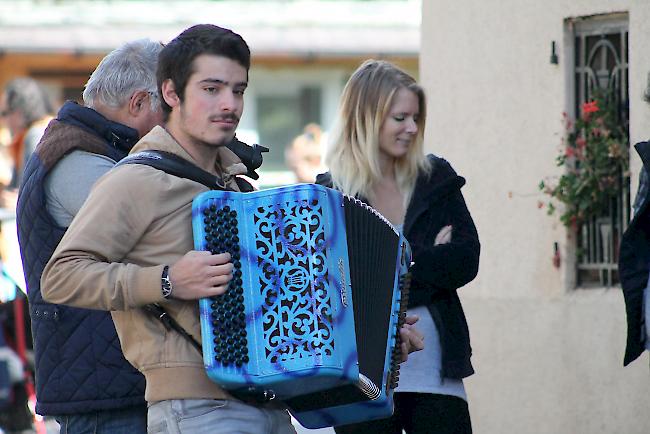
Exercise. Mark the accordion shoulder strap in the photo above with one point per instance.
(170, 324)
(174, 165)
(177, 166)
(250, 397)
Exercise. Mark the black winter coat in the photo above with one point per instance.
(440, 270)
(634, 267)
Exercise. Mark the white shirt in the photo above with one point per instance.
(421, 373)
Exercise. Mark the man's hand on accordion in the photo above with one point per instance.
(412, 339)
(200, 274)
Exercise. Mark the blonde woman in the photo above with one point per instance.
(376, 154)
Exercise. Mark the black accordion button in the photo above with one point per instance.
(228, 317)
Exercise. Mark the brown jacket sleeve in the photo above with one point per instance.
(90, 267)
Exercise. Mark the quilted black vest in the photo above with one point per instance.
(79, 362)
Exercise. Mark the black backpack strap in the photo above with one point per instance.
(175, 165)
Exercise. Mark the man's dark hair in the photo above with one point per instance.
(176, 61)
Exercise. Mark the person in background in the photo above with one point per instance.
(634, 263)
(303, 156)
(376, 154)
(26, 109)
(82, 377)
(15, 414)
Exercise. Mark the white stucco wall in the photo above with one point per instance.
(548, 358)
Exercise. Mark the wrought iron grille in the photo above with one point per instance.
(600, 48)
(297, 319)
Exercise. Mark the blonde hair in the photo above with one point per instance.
(353, 154)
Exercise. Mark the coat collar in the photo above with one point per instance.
(643, 149)
(642, 202)
(441, 182)
(120, 136)
(429, 189)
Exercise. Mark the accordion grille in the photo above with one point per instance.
(290, 251)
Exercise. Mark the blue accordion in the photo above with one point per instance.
(312, 313)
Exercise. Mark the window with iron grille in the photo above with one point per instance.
(600, 62)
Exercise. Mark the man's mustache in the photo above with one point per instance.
(231, 117)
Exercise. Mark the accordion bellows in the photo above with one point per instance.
(312, 312)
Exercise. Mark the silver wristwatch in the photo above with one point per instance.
(166, 284)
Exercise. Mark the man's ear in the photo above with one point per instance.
(136, 102)
(169, 93)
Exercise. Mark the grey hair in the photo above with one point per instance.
(122, 72)
(29, 97)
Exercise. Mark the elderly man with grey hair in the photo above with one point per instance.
(82, 377)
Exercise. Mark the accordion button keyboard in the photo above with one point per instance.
(227, 311)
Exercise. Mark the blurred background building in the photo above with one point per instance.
(303, 51)
(302, 54)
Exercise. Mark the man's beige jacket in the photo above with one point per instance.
(136, 220)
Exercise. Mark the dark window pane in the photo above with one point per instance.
(280, 118)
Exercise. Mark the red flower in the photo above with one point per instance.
(590, 107)
(570, 152)
(581, 142)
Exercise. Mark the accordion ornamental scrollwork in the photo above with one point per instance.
(284, 301)
(296, 313)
